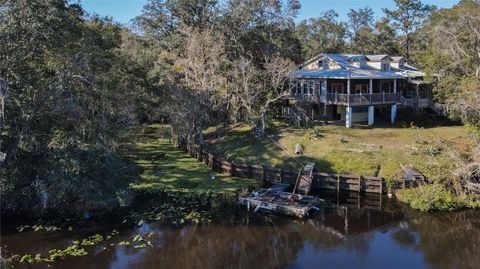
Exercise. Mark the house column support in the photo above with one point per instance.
(348, 117)
(325, 113)
(393, 116)
(370, 115)
(348, 91)
(348, 86)
(395, 86)
(417, 95)
(370, 88)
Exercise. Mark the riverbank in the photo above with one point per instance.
(429, 144)
(155, 169)
(377, 151)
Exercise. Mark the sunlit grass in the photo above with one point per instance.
(360, 151)
(177, 170)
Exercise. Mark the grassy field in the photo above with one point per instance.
(177, 170)
(360, 150)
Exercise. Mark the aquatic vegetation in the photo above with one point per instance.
(141, 242)
(92, 240)
(137, 238)
(123, 243)
(39, 227)
(27, 258)
(54, 254)
(74, 250)
(179, 206)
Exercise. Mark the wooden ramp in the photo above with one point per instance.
(276, 200)
(304, 180)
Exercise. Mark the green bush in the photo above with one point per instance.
(429, 198)
(70, 176)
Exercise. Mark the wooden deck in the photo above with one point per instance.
(276, 200)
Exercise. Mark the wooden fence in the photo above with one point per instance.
(338, 182)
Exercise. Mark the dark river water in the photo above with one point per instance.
(360, 235)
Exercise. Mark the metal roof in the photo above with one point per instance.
(377, 58)
(396, 59)
(408, 71)
(346, 73)
(348, 70)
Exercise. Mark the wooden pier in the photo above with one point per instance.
(276, 200)
(304, 180)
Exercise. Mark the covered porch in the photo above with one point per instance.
(416, 94)
(348, 92)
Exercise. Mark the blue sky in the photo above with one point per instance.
(125, 10)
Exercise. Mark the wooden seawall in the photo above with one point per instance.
(329, 181)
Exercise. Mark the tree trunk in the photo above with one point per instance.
(260, 125)
(200, 133)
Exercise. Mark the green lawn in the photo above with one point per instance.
(177, 170)
(360, 150)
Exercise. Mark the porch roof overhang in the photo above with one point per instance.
(345, 74)
(415, 81)
(411, 73)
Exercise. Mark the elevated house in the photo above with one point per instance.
(355, 89)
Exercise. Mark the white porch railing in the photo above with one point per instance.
(362, 99)
(351, 99)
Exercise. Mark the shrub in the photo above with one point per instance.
(429, 197)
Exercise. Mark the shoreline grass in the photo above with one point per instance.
(176, 170)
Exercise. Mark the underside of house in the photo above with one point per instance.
(355, 89)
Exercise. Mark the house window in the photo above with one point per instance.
(363, 64)
(385, 66)
(305, 87)
(310, 87)
(320, 64)
(409, 94)
(299, 87)
(316, 86)
(337, 87)
(361, 88)
(385, 86)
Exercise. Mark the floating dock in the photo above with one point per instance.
(276, 200)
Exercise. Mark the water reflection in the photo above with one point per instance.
(338, 237)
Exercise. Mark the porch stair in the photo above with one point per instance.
(297, 116)
(304, 180)
(437, 108)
